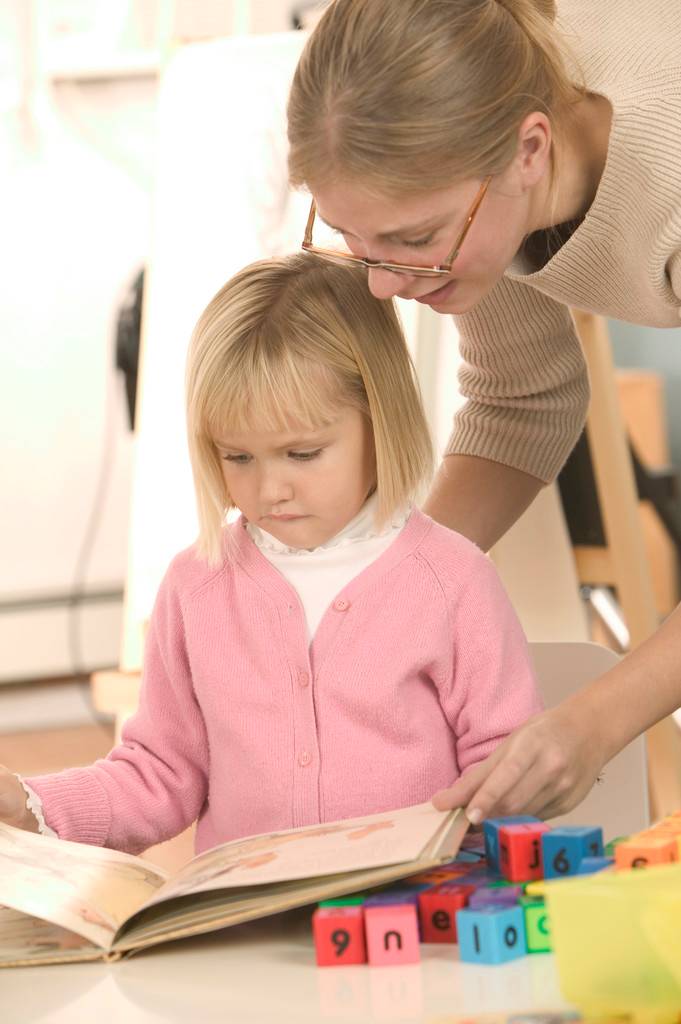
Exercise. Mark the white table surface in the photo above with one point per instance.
(265, 972)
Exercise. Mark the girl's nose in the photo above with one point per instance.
(274, 487)
(385, 284)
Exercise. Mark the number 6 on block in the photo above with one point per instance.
(339, 936)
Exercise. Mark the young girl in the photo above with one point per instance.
(331, 653)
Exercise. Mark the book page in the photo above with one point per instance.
(87, 890)
(28, 939)
(332, 848)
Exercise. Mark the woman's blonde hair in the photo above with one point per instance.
(295, 339)
(410, 95)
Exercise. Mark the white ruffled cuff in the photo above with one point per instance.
(35, 805)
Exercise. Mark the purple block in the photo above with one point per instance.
(500, 896)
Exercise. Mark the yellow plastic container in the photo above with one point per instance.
(617, 940)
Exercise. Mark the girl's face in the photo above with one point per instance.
(421, 230)
(302, 486)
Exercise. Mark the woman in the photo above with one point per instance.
(501, 161)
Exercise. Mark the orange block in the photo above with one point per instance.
(640, 851)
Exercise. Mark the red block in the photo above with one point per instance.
(520, 856)
(339, 936)
(437, 911)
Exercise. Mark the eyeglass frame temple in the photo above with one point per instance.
(447, 265)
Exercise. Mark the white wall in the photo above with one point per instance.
(74, 209)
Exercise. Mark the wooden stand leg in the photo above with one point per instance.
(628, 566)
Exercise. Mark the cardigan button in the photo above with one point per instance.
(304, 759)
(341, 605)
(303, 678)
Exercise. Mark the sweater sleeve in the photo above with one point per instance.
(525, 379)
(154, 783)
(492, 688)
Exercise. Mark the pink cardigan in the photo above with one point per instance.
(417, 670)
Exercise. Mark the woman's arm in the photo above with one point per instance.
(479, 498)
(548, 765)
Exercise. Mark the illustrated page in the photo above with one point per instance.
(372, 841)
(84, 889)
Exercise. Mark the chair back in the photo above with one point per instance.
(619, 804)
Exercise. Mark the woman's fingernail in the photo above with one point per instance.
(474, 816)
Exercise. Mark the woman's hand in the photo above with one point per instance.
(13, 809)
(544, 768)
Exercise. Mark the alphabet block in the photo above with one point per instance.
(491, 935)
(339, 936)
(392, 934)
(495, 895)
(491, 832)
(355, 900)
(590, 865)
(520, 851)
(640, 851)
(437, 911)
(564, 848)
(537, 930)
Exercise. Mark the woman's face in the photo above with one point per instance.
(421, 230)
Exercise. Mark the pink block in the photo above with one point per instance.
(392, 934)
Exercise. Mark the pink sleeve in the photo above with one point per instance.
(492, 688)
(154, 783)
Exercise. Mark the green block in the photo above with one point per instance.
(537, 930)
(343, 901)
(609, 849)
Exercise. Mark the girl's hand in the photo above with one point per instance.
(544, 768)
(13, 809)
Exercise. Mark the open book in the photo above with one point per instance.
(62, 901)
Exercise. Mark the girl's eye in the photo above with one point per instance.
(305, 456)
(240, 459)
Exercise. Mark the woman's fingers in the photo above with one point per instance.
(484, 788)
(544, 768)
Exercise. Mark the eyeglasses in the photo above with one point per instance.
(443, 270)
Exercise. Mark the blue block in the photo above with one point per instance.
(491, 935)
(590, 865)
(491, 830)
(563, 849)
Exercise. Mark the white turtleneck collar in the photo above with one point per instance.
(319, 575)
(362, 527)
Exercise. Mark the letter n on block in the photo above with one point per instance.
(392, 934)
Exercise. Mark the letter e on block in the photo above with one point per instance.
(437, 911)
(339, 936)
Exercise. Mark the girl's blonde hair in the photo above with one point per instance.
(294, 339)
(404, 96)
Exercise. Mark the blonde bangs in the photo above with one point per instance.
(270, 388)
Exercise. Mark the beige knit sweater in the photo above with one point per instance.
(524, 373)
